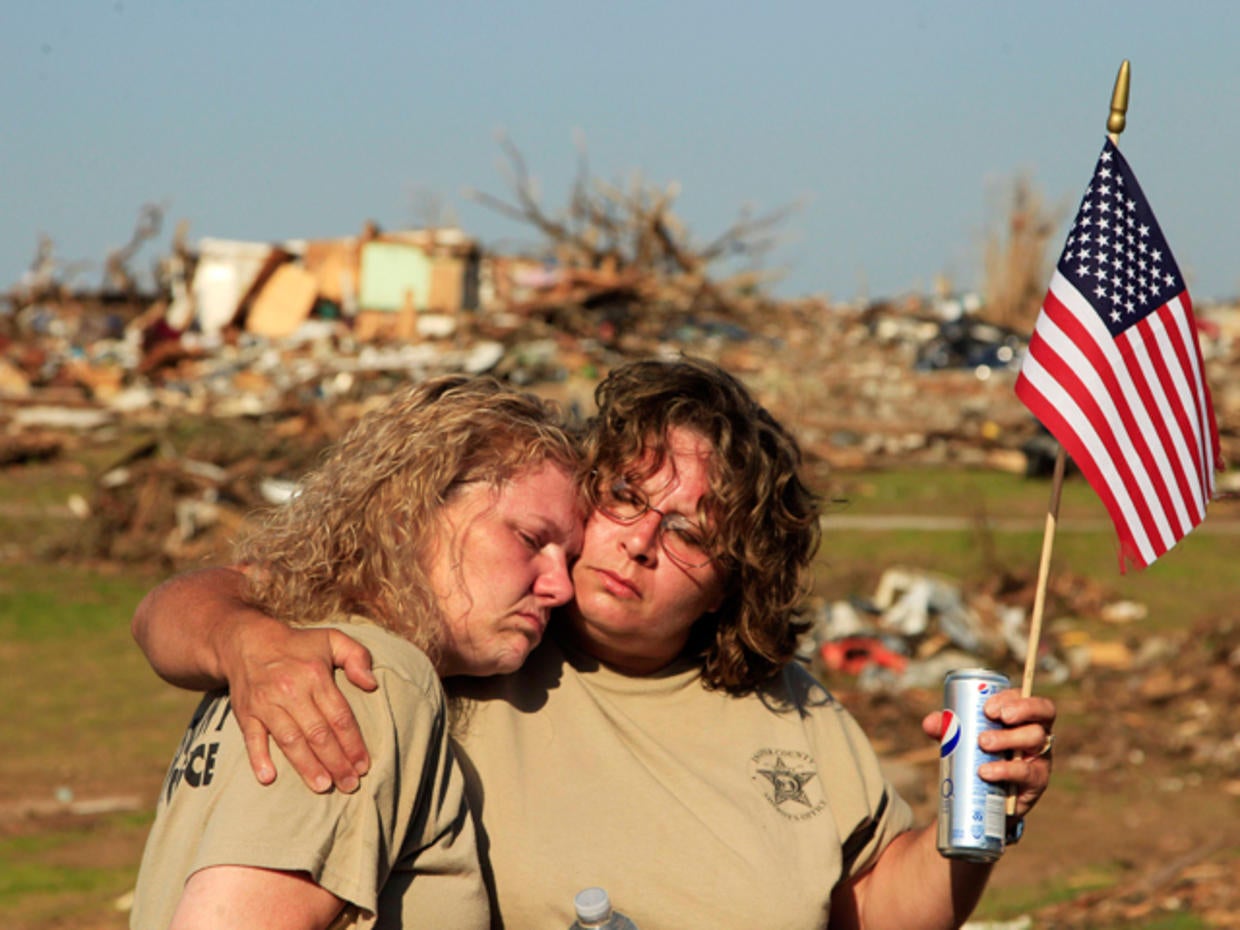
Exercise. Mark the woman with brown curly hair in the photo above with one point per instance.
(662, 742)
(437, 533)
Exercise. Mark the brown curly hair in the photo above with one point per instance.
(765, 521)
(353, 538)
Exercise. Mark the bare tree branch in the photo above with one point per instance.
(622, 242)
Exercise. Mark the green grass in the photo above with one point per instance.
(1013, 903)
(1002, 904)
(72, 876)
(35, 865)
(1173, 922)
(84, 714)
(50, 602)
(962, 493)
(1191, 582)
(1008, 903)
(75, 679)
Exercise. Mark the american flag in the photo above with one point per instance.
(1114, 369)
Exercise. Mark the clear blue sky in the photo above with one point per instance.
(898, 124)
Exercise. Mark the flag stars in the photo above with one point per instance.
(1114, 251)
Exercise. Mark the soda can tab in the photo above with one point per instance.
(972, 812)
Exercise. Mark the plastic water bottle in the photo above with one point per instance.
(594, 912)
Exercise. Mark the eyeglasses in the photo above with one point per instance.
(683, 540)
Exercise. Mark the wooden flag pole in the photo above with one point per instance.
(1044, 569)
(1115, 125)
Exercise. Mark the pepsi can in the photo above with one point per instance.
(972, 812)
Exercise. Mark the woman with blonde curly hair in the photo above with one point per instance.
(699, 773)
(438, 533)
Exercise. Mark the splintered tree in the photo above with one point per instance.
(623, 245)
(47, 280)
(117, 278)
(1016, 270)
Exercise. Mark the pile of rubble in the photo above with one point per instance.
(847, 382)
(1204, 883)
(1135, 706)
(1179, 704)
(919, 624)
(287, 342)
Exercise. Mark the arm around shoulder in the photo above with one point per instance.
(198, 632)
(181, 623)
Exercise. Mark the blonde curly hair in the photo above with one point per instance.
(354, 537)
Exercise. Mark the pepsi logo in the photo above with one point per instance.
(949, 735)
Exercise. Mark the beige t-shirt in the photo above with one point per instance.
(692, 808)
(401, 850)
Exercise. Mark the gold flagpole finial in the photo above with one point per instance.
(1119, 102)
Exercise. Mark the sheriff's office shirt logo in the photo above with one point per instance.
(789, 780)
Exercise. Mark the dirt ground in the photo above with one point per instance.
(1143, 818)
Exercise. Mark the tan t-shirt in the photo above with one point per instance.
(693, 808)
(401, 850)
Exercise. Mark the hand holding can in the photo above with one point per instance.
(1014, 757)
(972, 811)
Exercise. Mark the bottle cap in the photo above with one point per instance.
(592, 904)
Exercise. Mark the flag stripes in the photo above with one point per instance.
(1133, 423)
